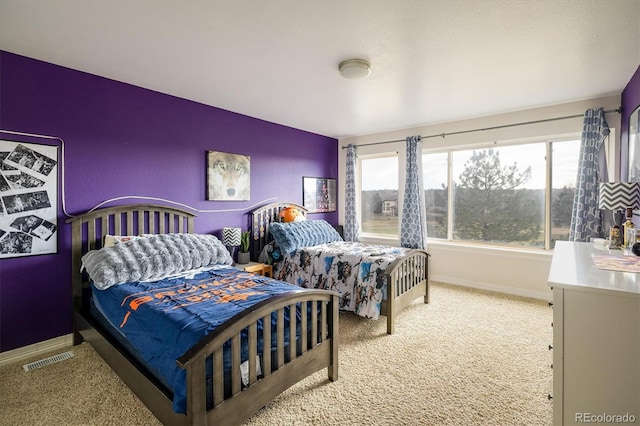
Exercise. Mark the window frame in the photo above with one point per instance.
(397, 148)
(497, 144)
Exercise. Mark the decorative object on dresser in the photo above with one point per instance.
(373, 280)
(232, 238)
(212, 385)
(596, 338)
(617, 197)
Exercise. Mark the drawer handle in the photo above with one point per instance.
(550, 347)
(550, 397)
(550, 303)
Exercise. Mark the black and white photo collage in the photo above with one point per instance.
(28, 199)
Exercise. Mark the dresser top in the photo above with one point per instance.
(573, 266)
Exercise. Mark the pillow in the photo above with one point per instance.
(270, 254)
(151, 258)
(291, 236)
(112, 240)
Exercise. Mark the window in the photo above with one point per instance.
(379, 195)
(491, 195)
(498, 195)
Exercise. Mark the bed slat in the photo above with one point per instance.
(280, 338)
(304, 326)
(218, 379)
(293, 319)
(266, 337)
(253, 352)
(235, 365)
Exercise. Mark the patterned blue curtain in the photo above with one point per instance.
(585, 215)
(413, 227)
(351, 227)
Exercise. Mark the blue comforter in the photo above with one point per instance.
(163, 319)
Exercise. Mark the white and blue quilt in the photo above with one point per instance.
(352, 269)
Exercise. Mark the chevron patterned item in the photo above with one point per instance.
(231, 236)
(619, 195)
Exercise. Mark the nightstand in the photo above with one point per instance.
(258, 268)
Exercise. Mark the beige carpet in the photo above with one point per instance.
(469, 357)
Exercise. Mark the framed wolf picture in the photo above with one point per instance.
(28, 199)
(228, 176)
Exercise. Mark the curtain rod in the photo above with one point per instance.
(442, 135)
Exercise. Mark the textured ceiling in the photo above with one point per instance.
(432, 60)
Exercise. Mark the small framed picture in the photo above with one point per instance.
(319, 194)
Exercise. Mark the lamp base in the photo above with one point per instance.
(618, 218)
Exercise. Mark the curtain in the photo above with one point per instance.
(585, 215)
(413, 226)
(351, 227)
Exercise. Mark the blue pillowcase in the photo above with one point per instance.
(291, 236)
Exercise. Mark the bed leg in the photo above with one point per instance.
(390, 316)
(332, 370)
(426, 274)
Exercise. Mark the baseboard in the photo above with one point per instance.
(514, 291)
(19, 354)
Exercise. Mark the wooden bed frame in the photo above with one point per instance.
(88, 231)
(408, 276)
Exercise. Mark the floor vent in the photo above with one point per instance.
(48, 361)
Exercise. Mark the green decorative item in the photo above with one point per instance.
(243, 255)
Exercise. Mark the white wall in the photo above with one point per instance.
(514, 271)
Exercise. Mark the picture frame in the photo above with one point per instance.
(28, 199)
(319, 194)
(228, 176)
(634, 146)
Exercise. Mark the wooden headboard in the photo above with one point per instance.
(260, 220)
(89, 229)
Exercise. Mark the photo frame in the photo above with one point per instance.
(634, 146)
(319, 194)
(228, 176)
(28, 199)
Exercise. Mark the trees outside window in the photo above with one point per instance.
(492, 203)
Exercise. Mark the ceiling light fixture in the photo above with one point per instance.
(354, 68)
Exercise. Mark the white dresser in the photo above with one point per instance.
(596, 338)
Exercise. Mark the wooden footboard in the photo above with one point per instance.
(317, 349)
(407, 279)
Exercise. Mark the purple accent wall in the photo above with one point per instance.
(630, 100)
(122, 140)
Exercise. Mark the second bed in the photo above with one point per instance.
(372, 280)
